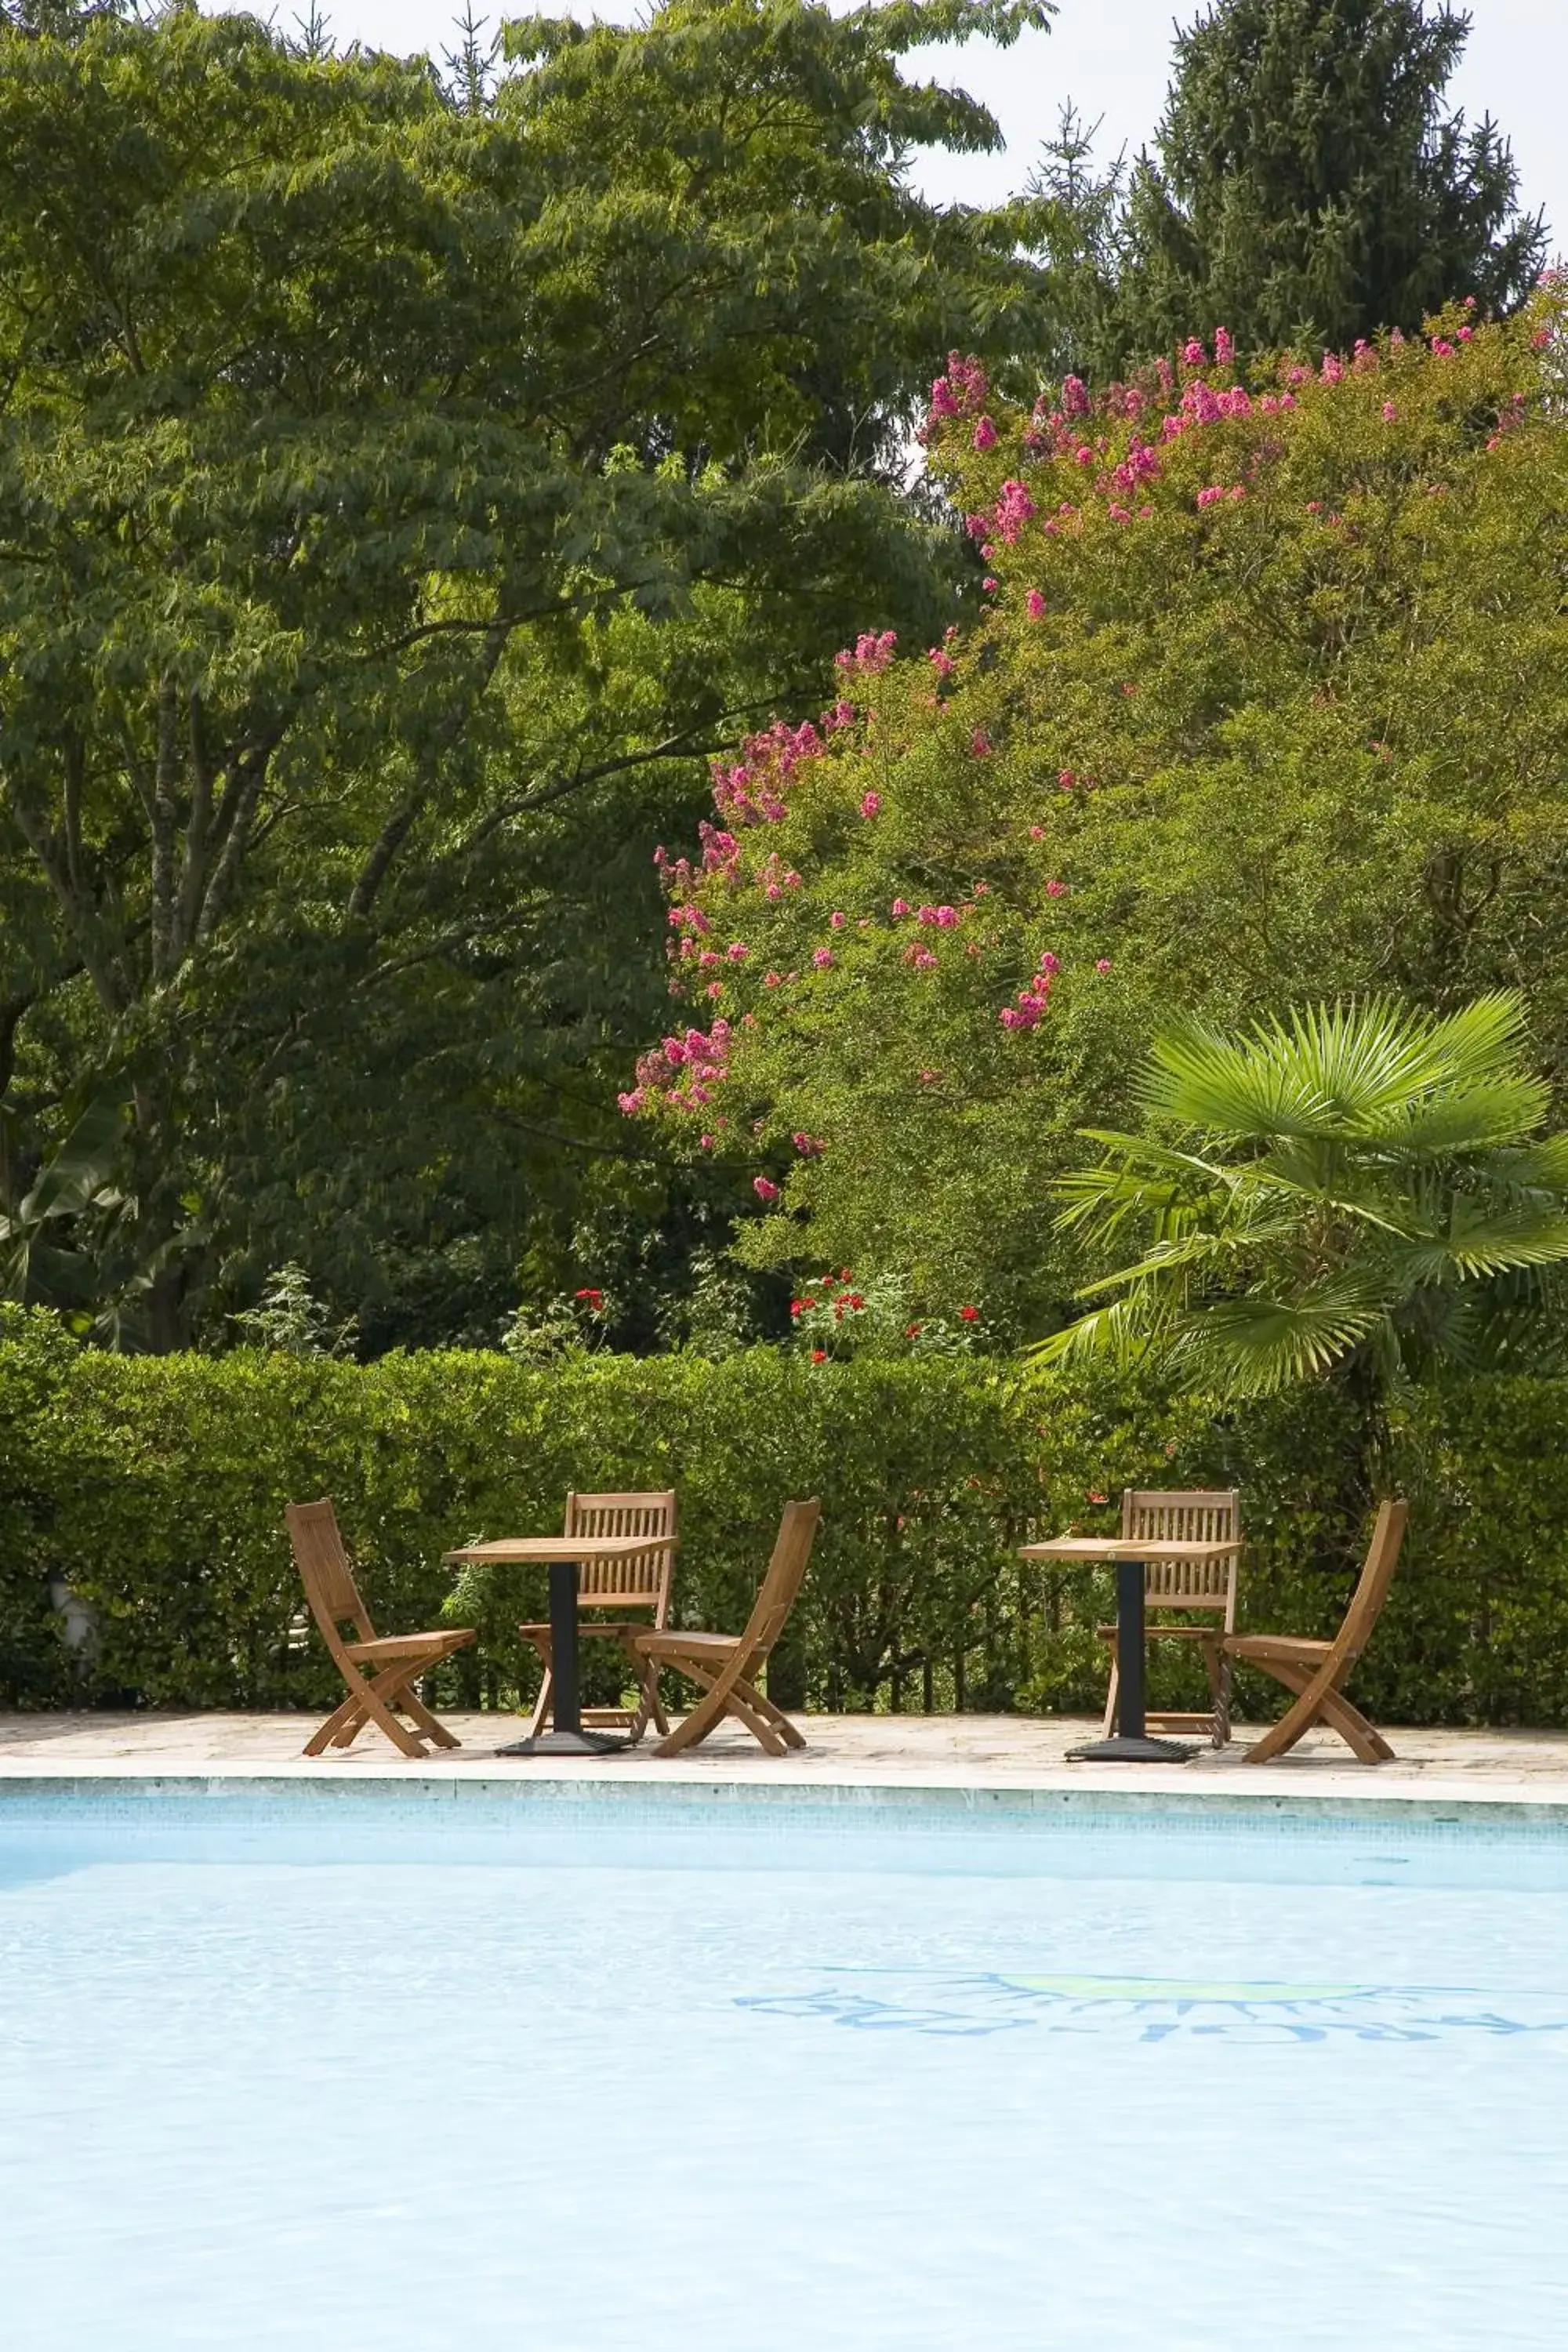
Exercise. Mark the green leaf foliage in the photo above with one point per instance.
(1266, 708)
(400, 493)
(148, 1493)
(1306, 185)
(1357, 1195)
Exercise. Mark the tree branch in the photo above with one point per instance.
(166, 775)
(198, 831)
(399, 825)
(75, 904)
(236, 815)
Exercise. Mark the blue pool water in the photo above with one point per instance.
(278, 2074)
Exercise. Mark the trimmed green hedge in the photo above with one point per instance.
(153, 1487)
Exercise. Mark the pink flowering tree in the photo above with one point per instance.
(1266, 697)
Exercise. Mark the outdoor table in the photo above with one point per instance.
(1131, 1555)
(564, 1556)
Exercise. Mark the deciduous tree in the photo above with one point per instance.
(391, 491)
(1268, 704)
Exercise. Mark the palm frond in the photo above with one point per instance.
(1224, 1254)
(1237, 1089)
(1120, 1332)
(1485, 1237)
(1361, 1182)
(1255, 1346)
(1460, 1119)
(1540, 1167)
(1351, 1069)
(1311, 1176)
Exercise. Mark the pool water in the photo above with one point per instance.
(1037, 2090)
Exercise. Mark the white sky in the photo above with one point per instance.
(1112, 58)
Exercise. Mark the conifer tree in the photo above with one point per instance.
(1307, 184)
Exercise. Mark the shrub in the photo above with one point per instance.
(156, 1488)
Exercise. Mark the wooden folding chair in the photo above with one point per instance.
(725, 1665)
(641, 1583)
(1314, 1670)
(396, 1661)
(1185, 1515)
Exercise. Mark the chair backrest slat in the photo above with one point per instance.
(1187, 1515)
(1372, 1585)
(642, 1581)
(324, 1571)
(780, 1587)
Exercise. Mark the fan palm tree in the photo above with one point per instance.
(1362, 1190)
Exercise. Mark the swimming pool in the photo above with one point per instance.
(549, 2068)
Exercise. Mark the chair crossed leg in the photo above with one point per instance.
(728, 1693)
(1317, 1701)
(372, 1702)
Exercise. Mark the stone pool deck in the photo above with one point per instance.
(860, 1752)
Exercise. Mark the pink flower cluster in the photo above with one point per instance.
(960, 392)
(941, 919)
(1202, 405)
(1139, 464)
(682, 1070)
(751, 791)
(720, 850)
(1034, 1002)
(872, 653)
(775, 878)
(1014, 509)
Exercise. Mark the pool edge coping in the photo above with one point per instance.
(1513, 1807)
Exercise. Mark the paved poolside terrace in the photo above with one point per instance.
(857, 1753)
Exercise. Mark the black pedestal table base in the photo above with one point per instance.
(566, 1736)
(1131, 1743)
(567, 1743)
(1122, 1750)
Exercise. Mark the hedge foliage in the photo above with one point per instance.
(153, 1487)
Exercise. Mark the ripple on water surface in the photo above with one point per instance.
(1316, 2098)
